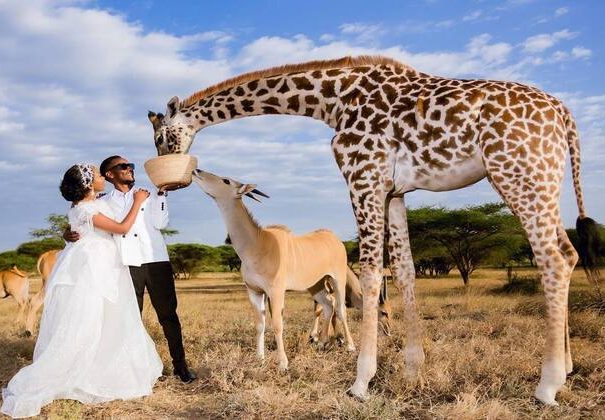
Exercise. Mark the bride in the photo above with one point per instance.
(92, 346)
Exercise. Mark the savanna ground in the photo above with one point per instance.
(483, 358)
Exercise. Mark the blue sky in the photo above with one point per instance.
(77, 78)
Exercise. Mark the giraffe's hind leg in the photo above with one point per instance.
(571, 257)
(537, 207)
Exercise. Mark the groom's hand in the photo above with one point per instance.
(70, 235)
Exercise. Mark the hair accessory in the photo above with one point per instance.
(87, 174)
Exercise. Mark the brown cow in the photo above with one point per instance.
(15, 283)
(45, 265)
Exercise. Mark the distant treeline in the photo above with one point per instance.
(441, 239)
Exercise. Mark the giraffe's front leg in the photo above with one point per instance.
(369, 212)
(402, 267)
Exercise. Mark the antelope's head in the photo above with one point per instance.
(222, 188)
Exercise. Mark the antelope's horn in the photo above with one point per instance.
(262, 194)
(252, 197)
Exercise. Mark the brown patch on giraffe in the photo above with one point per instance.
(271, 83)
(302, 83)
(378, 102)
(293, 103)
(347, 82)
(349, 139)
(311, 100)
(247, 105)
(378, 124)
(328, 89)
(273, 101)
(494, 147)
(284, 88)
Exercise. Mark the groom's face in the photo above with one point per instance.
(119, 173)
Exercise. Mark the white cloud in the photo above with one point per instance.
(581, 52)
(561, 11)
(472, 16)
(539, 43)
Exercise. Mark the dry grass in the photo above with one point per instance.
(483, 357)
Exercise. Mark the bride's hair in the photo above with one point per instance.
(74, 187)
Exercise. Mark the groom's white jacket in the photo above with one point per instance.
(144, 242)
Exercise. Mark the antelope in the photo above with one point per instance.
(15, 283)
(45, 265)
(354, 299)
(275, 260)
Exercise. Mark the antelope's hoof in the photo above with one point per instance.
(25, 334)
(546, 396)
(358, 392)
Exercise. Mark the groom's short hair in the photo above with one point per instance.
(108, 163)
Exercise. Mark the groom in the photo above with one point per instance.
(144, 251)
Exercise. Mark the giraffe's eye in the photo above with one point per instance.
(226, 181)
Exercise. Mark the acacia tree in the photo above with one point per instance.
(57, 223)
(468, 235)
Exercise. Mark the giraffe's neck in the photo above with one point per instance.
(241, 227)
(319, 94)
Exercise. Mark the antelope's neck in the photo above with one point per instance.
(242, 228)
(319, 94)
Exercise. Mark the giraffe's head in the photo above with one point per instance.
(173, 132)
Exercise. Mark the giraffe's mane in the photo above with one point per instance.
(344, 62)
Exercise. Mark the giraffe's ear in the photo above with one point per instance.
(173, 107)
(155, 119)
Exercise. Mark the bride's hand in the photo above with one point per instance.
(140, 195)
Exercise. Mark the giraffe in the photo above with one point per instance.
(399, 130)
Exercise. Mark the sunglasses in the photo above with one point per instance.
(122, 166)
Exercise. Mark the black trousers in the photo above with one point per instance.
(157, 278)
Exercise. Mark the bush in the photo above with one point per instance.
(23, 261)
(37, 248)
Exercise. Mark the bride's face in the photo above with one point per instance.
(98, 180)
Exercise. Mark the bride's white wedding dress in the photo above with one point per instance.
(92, 346)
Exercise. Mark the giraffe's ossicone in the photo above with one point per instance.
(398, 130)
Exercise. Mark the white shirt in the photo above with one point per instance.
(144, 242)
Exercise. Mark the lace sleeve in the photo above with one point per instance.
(80, 217)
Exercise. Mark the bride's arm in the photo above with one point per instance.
(105, 223)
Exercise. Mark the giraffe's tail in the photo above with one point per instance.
(587, 228)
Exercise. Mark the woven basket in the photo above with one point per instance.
(171, 171)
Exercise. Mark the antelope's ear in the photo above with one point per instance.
(245, 189)
(155, 119)
(173, 107)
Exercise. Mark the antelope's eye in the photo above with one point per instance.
(226, 181)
